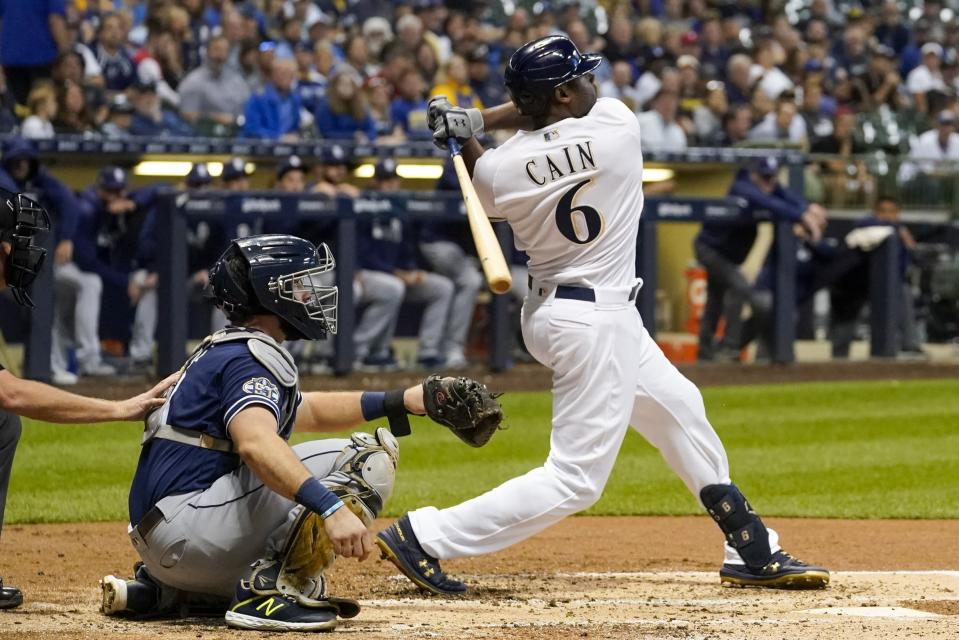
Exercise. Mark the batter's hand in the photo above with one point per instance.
(137, 407)
(458, 123)
(435, 109)
(348, 534)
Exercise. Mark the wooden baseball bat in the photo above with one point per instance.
(487, 244)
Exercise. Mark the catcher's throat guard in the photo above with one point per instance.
(21, 219)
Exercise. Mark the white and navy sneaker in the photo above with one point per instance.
(277, 612)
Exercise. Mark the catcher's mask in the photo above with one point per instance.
(20, 220)
(277, 274)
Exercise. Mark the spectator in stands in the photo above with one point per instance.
(42, 104)
(32, 34)
(620, 44)
(661, 132)
(150, 118)
(274, 112)
(708, 117)
(68, 67)
(736, 124)
(891, 30)
(119, 118)
(378, 95)
(344, 115)
(486, 85)
(783, 125)
(213, 95)
(408, 109)
(738, 86)
(927, 77)
(722, 246)
(882, 81)
(235, 176)
(387, 275)
(158, 64)
(72, 115)
(844, 175)
(454, 84)
(765, 70)
(818, 123)
(76, 293)
(378, 34)
(690, 88)
(621, 86)
(924, 168)
(357, 56)
(115, 61)
(714, 54)
(116, 240)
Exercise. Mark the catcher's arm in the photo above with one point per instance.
(341, 410)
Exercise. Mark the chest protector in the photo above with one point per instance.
(267, 352)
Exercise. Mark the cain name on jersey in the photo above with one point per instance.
(563, 160)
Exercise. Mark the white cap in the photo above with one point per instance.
(932, 48)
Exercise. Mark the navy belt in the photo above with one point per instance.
(149, 521)
(568, 292)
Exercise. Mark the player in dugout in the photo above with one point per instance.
(21, 260)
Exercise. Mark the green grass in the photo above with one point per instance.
(851, 450)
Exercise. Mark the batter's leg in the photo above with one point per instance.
(668, 411)
(593, 353)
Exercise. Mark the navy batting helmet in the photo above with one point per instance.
(540, 66)
(20, 220)
(280, 275)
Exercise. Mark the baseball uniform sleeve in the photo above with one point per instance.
(246, 383)
(484, 172)
(612, 112)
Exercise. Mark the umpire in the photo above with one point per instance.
(20, 262)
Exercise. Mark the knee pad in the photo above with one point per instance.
(365, 471)
(743, 529)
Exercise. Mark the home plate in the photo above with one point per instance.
(874, 612)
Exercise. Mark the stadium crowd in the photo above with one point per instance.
(836, 77)
(828, 77)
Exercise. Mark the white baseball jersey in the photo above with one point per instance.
(573, 194)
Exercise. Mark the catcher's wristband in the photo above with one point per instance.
(396, 413)
(317, 498)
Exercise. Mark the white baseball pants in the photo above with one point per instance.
(607, 373)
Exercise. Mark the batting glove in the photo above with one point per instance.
(458, 123)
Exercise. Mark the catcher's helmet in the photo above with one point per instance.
(540, 66)
(20, 220)
(277, 274)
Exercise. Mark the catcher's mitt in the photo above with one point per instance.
(465, 406)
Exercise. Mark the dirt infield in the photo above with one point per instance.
(608, 577)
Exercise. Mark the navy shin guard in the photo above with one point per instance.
(743, 529)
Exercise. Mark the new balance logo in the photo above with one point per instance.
(271, 606)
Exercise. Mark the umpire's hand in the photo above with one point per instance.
(348, 534)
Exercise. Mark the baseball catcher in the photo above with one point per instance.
(224, 513)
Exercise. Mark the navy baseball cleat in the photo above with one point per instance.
(400, 546)
(782, 572)
(278, 613)
(10, 597)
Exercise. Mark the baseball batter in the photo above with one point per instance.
(569, 183)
